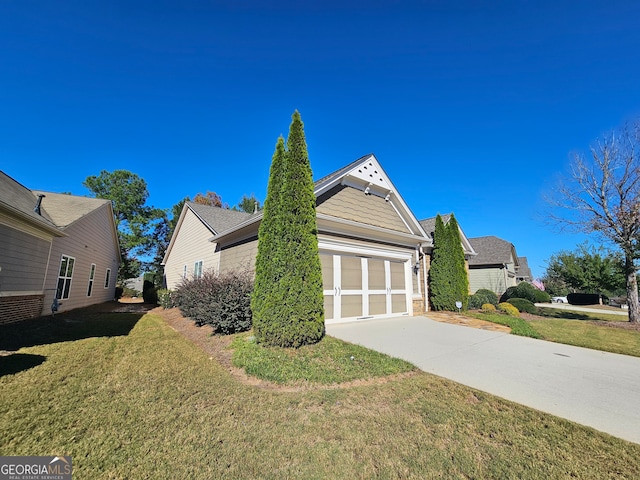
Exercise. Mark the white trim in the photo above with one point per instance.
(343, 246)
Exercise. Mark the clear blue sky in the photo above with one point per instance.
(471, 107)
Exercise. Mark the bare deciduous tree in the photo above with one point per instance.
(601, 195)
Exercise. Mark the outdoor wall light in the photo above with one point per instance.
(416, 267)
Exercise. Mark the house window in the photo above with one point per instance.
(64, 277)
(197, 269)
(92, 274)
(184, 272)
(107, 278)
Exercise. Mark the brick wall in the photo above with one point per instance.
(23, 307)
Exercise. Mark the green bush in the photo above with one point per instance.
(583, 298)
(166, 298)
(118, 293)
(222, 301)
(523, 305)
(527, 291)
(481, 297)
(149, 293)
(508, 309)
(488, 307)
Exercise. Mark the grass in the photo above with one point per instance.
(575, 315)
(586, 334)
(329, 361)
(143, 402)
(518, 325)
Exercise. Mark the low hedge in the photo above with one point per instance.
(508, 309)
(583, 298)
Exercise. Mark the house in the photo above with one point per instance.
(54, 247)
(523, 272)
(373, 250)
(190, 253)
(494, 267)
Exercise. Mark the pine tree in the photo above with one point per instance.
(288, 297)
(460, 275)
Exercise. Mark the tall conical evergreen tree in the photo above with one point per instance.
(267, 273)
(290, 312)
(460, 275)
(440, 273)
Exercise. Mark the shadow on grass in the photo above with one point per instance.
(563, 314)
(18, 362)
(65, 327)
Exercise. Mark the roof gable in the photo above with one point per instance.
(429, 225)
(64, 210)
(367, 175)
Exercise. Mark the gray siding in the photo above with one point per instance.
(494, 279)
(352, 204)
(90, 240)
(23, 259)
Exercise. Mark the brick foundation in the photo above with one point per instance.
(18, 308)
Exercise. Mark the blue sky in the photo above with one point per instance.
(471, 107)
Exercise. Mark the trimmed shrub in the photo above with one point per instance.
(583, 298)
(542, 297)
(527, 291)
(166, 298)
(222, 301)
(149, 293)
(523, 305)
(508, 309)
(481, 297)
(488, 307)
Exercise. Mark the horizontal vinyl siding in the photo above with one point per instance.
(488, 278)
(23, 259)
(239, 257)
(90, 240)
(190, 245)
(352, 204)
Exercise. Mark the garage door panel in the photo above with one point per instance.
(377, 304)
(398, 303)
(351, 305)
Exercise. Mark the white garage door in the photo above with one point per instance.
(363, 287)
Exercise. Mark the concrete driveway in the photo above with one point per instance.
(593, 388)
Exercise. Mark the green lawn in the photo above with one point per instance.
(576, 315)
(585, 334)
(137, 400)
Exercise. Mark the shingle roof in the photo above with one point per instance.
(429, 224)
(341, 171)
(218, 219)
(67, 209)
(19, 199)
(491, 251)
(523, 270)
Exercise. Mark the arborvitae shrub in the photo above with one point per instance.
(488, 307)
(508, 309)
(583, 298)
(523, 305)
(149, 293)
(481, 297)
(222, 301)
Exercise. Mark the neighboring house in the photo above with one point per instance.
(374, 252)
(523, 272)
(54, 246)
(495, 265)
(429, 225)
(190, 253)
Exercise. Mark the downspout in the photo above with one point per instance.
(426, 284)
